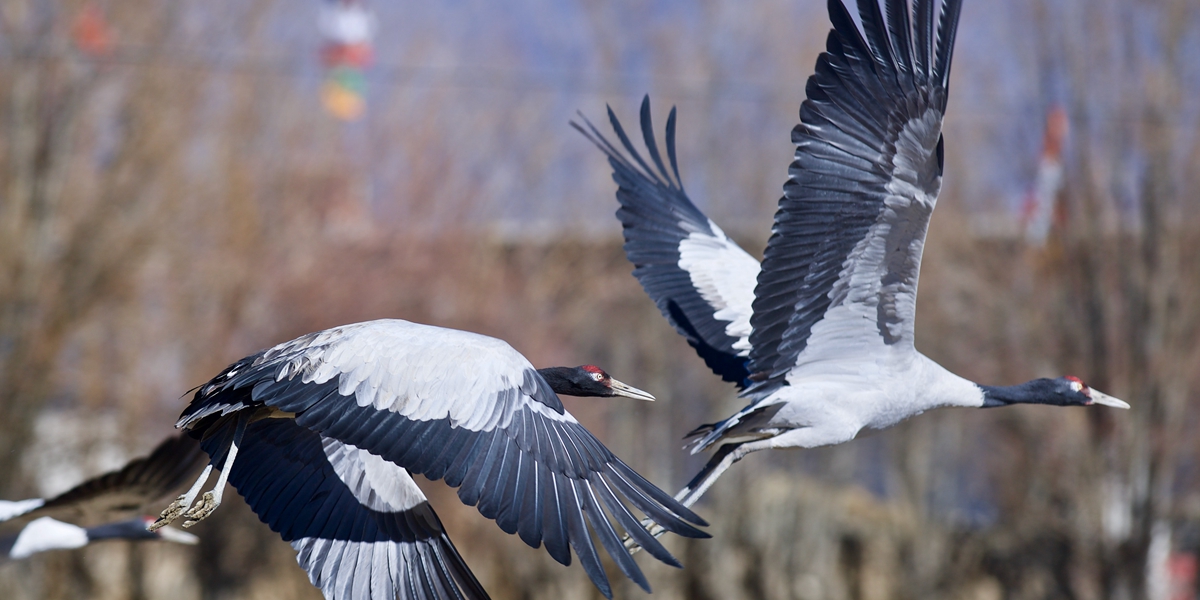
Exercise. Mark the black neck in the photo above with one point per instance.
(130, 530)
(557, 378)
(573, 381)
(1037, 391)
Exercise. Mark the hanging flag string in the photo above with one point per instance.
(348, 27)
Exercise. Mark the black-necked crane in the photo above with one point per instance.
(320, 435)
(62, 521)
(47, 533)
(820, 337)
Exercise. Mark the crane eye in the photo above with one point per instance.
(598, 376)
(1076, 386)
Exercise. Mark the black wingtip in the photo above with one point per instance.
(580, 539)
(648, 139)
(671, 148)
(843, 24)
(947, 31)
(900, 30)
(633, 153)
(608, 536)
(875, 27)
(675, 514)
(923, 42)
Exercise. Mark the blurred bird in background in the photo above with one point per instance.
(89, 511)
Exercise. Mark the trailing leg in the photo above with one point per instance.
(182, 503)
(722, 460)
(182, 506)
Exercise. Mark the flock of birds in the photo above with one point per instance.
(320, 435)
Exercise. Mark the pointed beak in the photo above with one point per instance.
(1106, 400)
(179, 537)
(621, 389)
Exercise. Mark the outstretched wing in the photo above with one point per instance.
(842, 263)
(361, 527)
(701, 280)
(174, 462)
(465, 408)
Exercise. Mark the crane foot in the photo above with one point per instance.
(655, 530)
(208, 503)
(170, 513)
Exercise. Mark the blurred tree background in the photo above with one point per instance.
(173, 197)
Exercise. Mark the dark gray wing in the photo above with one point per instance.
(842, 263)
(701, 280)
(361, 527)
(173, 463)
(466, 408)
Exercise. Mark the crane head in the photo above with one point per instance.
(1075, 391)
(589, 381)
(1064, 391)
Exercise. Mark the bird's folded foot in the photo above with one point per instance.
(170, 513)
(208, 503)
(182, 507)
(655, 530)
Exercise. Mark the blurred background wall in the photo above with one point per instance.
(177, 191)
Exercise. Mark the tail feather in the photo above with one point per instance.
(699, 432)
(750, 423)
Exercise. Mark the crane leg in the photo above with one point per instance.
(212, 498)
(722, 460)
(182, 506)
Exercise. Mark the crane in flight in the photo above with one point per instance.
(819, 336)
(98, 509)
(320, 435)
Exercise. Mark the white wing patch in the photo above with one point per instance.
(10, 509)
(47, 534)
(376, 483)
(725, 276)
(419, 371)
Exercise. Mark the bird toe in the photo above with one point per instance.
(170, 513)
(207, 505)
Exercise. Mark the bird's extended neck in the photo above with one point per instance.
(129, 530)
(1031, 392)
(561, 379)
